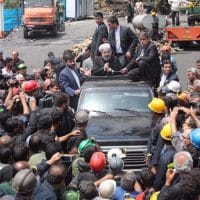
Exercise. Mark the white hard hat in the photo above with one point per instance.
(81, 116)
(107, 189)
(115, 151)
(174, 86)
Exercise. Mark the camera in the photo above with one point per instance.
(66, 158)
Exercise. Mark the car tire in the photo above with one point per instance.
(25, 32)
(55, 31)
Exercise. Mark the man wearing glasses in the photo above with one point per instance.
(145, 64)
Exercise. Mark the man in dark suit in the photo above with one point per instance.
(122, 40)
(100, 34)
(70, 79)
(167, 75)
(145, 65)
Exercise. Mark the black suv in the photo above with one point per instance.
(118, 115)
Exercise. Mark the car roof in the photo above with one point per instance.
(99, 81)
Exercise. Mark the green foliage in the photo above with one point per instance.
(9, 4)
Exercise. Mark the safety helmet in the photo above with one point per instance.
(157, 105)
(153, 13)
(98, 161)
(195, 137)
(71, 195)
(24, 181)
(81, 116)
(116, 164)
(166, 48)
(116, 151)
(84, 144)
(174, 86)
(107, 189)
(30, 86)
(183, 95)
(166, 132)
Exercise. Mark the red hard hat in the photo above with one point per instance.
(30, 86)
(166, 48)
(98, 161)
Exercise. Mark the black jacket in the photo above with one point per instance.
(150, 58)
(169, 193)
(165, 159)
(100, 33)
(128, 40)
(99, 63)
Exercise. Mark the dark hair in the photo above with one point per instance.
(53, 83)
(5, 154)
(51, 54)
(44, 122)
(113, 20)
(87, 190)
(61, 98)
(56, 116)
(169, 102)
(145, 35)
(98, 14)
(52, 148)
(189, 185)
(20, 152)
(68, 55)
(146, 178)
(127, 181)
(11, 124)
(56, 174)
(35, 143)
(43, 74)
(198, 61)
(166, 62)
(7, 60)
(87, 153)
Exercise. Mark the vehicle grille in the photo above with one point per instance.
(37, 19)
(135, 156)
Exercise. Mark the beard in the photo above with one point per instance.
(106, 58)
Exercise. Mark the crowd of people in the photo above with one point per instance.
(45, 152)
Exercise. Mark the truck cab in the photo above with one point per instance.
(39, 15)
(119, 116)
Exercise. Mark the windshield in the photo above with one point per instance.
(115, 101)
(38, 3)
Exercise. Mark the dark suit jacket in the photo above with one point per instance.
(150, 58)
(100, 33)
(98, 69)
(127, 38)
(68, 85)
(172, 76)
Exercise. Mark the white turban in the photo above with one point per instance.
(104, 46)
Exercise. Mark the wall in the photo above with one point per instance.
(12, 18)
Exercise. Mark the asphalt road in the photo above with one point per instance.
(34, 51)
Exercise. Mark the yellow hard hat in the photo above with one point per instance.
(154, 196)
(153, 13)
(166, 132)
(157, 105)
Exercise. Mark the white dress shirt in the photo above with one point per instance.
(75, 77)
(117, 40)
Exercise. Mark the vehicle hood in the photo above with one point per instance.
(119, 130)
(38, 12)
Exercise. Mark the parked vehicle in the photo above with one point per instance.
(41, 15)
(119, 116)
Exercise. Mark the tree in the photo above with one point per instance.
(9, 4)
